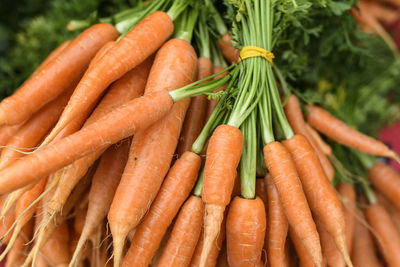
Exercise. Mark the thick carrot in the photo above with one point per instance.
(142, 41)
(304, 256)
(52, 56)
(321, 196)
(195, 117)
(152, 150)
(223, 155)
(7, 132)
(32, 132)
(185, 234)
(104, 184)
(173, 192)
(56, 249)
(348, 198)
(338, 131)
(277, 230)
(225, 44)
(283, 171)
(388, 238)
(386, 180)
(56, 76)
(363, 252)
(299, 126)
(331, 253)
(245, 231)
(212, 103)
(325, 148)
(17, 254)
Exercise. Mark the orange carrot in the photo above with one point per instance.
(386, 180)
(223, 257)
(104, 184)
(225, 44)
(317, 187)
(152, 150)
(338, 131)
(283, 171)
(325, 148)
(363, 253)
(17, 254)
(331, 253)
(7, 132)
(390, 207)
(388, 238)
(32, 132)
(348, 197)
(52, 56)
(172, 194)
(277, 227)
(223, 155)
(140, 44)
(195, 117)
(212, 103)
(305, 258)
(296, 121)
(245, 231)
(79, 219)
(185, 234)
(56, 76)
(6, 222)
(56, 249)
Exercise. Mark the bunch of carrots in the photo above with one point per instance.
(127, 147)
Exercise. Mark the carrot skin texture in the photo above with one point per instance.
(17, 253)
(304, 256)
(348, 195)
(278, 226)
(338, 131)
(389, 237)
(283, 171)
(331, 253)
(245, 231)
(185, 234)
(7, 132)
(56, 249)
(195, 117)
(142, 41)
(325, 148)
(108, 130)
(225, 44)
(57, 75)
(321, 196)
(386, 180)
(173, 192)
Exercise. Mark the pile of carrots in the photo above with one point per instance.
(113, 155)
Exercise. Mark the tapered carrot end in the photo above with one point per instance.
(118, 244)
(341, 245)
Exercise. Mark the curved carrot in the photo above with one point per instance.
(317, 187)
(56, 76)
(142, 41)
(304, 256)
(152, 150)
(331, 253)
(338, 131)
(56, 249)
(223, 155)
(386, 180)
(348, 197)
(363, 252)
(295, 117)
(245, 231)
(104, 184)
(195, 116)
(277, 230)
(387, 234)
(283, 171)
(185, 234)
(225, 44)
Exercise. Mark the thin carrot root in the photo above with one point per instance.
(340, 241)
(118, 247)
(213, 220)
(10, 243)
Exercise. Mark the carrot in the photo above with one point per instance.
(338, 131)
(348, 197)
(185, 234)
(52, 56)
(32, 132)
(261, 191)
(195, 117)
(173, 192)
(17, 253)
(305, 258)
(79, 219)
(223, 257)
(152, 150)
(40, 262)
(223, 155)
(294, 115)
(6, 222)
(388, 238)
(56, 249)
(245, 231)
(56, 76)
(277, 227)
(386, 180)
(212, 103)
(225, 44)
(390, 207)
(140, 44)
(325, 148)
(283, 171)
(331, 253)
(104, 184)
(7, 132)
(316, 187)
(363, 253)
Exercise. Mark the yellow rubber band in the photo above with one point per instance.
(255, 51)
